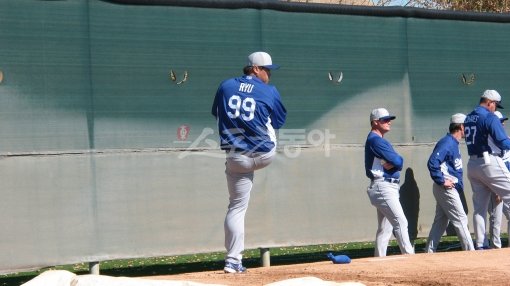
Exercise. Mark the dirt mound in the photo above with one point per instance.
(487, 267)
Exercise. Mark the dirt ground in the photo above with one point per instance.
(487, 267)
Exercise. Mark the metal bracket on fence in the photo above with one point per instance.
(173, 77)
(335, 79)
(468, 79)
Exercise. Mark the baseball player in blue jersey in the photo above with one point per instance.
(248, 111)
(496, 206)
(486, 170)
(445, 168)
(382, 167)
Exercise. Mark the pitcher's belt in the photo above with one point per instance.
(390, 180)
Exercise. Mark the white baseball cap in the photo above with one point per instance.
(500, 116)
(380, 114)
(261, 59)
(458, 118)
(494, 96)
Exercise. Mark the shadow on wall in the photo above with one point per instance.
(410, 201)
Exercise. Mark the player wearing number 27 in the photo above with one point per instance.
(382, 167)
(248, 111)
(486, 170)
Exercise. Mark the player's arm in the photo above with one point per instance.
(498, 133)
(214, 109)
(437, 158)
(434, 166)
(279, 113)
(393, 161)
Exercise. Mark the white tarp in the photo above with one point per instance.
(66, 278)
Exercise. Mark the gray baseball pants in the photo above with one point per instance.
(496, 212)
(240, 169)
(448, 209)
(486, 178)
(390, 217)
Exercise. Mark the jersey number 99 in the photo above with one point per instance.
(244, 108)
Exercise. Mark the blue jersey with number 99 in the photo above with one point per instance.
(248, 111)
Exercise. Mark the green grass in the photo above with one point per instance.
(214, 261)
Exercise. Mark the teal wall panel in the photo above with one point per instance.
(85, 75)
(44, 57)
(132, 57)
(440, 53)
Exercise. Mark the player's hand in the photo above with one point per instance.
(448, 184)
(498, 199)
(388, 166)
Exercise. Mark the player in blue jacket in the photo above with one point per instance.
(445, 168)
(485, 170)
(382, 167)
(248, 111)
(496, 207)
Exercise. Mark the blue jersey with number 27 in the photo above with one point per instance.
(248, 111)
(478, 126)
